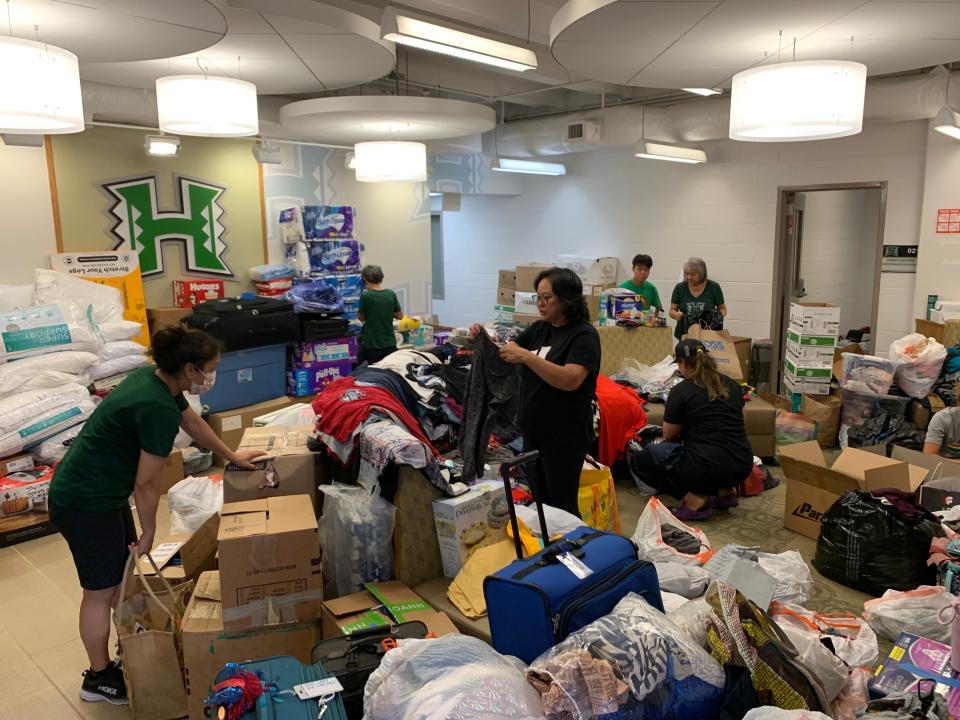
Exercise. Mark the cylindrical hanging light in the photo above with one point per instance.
(39, 89)
(391, 160)
(809, 100)
(207, 106)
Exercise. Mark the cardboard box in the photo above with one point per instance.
(230, 424)
(25, 491)
(207, 648)
(794, 372)
(527, 274)
(507, 279)
(598, 289)
(920, 415)
(462, 525)
(381, 604)
(503, 313)
(312, 377)
(912, 659)
(815, 318)
(308, 351)
(172, 472)
(289, 467)
(526, 319)
(941, 472)
(190, 293)
(806, 387)
(812, 487)
(182, 557)
(525, 302)
(593, 305)
(165, 317)
(592, 270)
(744, 348)
(269, 555)
(117, 269)
(16, 463)
(505, 296)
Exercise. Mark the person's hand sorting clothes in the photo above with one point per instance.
(513, 353)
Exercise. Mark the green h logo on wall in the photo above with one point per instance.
(140, 226)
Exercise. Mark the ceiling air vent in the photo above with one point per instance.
(583, 132)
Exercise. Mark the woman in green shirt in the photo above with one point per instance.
(121, 451)
(378, 308)
(638, 284)
(695, 297)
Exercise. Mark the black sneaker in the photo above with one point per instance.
(106, 685)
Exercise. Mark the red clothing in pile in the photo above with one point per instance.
(621, 416)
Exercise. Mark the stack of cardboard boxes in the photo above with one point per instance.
(516, 298)
(811, 340)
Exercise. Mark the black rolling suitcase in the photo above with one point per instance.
(351, 658)
(320, 326)
(247, 323)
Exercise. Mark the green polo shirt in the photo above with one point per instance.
(647, 291)
(378, 307)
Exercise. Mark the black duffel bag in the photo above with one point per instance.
(247, 323)
(872, 545)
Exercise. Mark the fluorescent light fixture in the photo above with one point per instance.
(436, 194)
(207, 106)
(350, 161)
(947, 122)
(422, 35)
(810, 100)
(39, 89)
(706, 92)
(161, 145)
(391, 161)
(528, 167)
(671, 153)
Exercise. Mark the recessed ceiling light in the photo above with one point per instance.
(161, 145)
(809, 100)
(947, 122)
(391, 161)
(422, 35)
(528, 167)
(670, 153)
(706, 92)
(39, 89)
(207, 106)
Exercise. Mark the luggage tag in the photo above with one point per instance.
(318, 688)
(575, 565)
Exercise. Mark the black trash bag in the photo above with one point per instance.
(886, 429)
(868, 544)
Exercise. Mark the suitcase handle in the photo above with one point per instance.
(505, 468)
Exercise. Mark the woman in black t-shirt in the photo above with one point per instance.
(560, 355)
(705, 413)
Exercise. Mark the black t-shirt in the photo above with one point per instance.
(545, 411)
(714, 438)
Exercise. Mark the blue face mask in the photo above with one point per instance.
(207, 384)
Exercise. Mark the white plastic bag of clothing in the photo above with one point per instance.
(852, 639)
(633, 662)
(454, 676)
(356, 536)
(794, 581)
(54, 287)
(192, 501)
(693, 618)
(672, 601)
(559, 522)
(183, 440)
(912, 611)
(690, 581)
(656, 520)
(920, 360)
(774, 713)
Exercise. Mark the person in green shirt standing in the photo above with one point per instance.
(378, 309)
(696, 298)
(638, 283)
(121, 451)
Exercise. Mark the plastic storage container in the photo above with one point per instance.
(246, 377)
(860, 406)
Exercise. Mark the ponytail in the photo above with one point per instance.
(694, 354)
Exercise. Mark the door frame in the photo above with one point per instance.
(781, 265)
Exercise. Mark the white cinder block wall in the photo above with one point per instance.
(27, 236)
(611, 203)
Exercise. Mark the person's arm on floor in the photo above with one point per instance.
(146, 494)
(194, 426)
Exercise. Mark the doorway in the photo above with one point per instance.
(828, 250)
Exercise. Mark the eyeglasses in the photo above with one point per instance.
(542, 299)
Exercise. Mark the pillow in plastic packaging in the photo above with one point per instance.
(41, 329)
(52, 450)
(633, 662)
(455, 676)
(30, 417)
(121, 348)
(15, 297)
(45, 371)
(119, 330)
(106, 368)
(54, 287)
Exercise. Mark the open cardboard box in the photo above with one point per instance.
(182, 557)
(381, 604)
(812, 486)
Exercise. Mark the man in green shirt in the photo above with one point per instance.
(638, 283)
(378, 308)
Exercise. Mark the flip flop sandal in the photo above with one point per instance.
(684, 513)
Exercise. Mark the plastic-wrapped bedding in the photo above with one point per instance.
(45, 371)
(633, 662)
(106, 368)
(28, 418)
(52, 450)
(42, 329)
(57, 287)
(121, 348)
(455, 676)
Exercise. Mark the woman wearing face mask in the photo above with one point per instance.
(121, 451)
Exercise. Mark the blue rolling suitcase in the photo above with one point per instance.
(283, 704)
(535, 603)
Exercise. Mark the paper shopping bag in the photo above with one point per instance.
(721, 348)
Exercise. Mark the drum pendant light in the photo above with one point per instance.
(39, 89)
(387, 161)
(791, 101)
(207, 106)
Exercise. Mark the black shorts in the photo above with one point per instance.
(98, 540)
